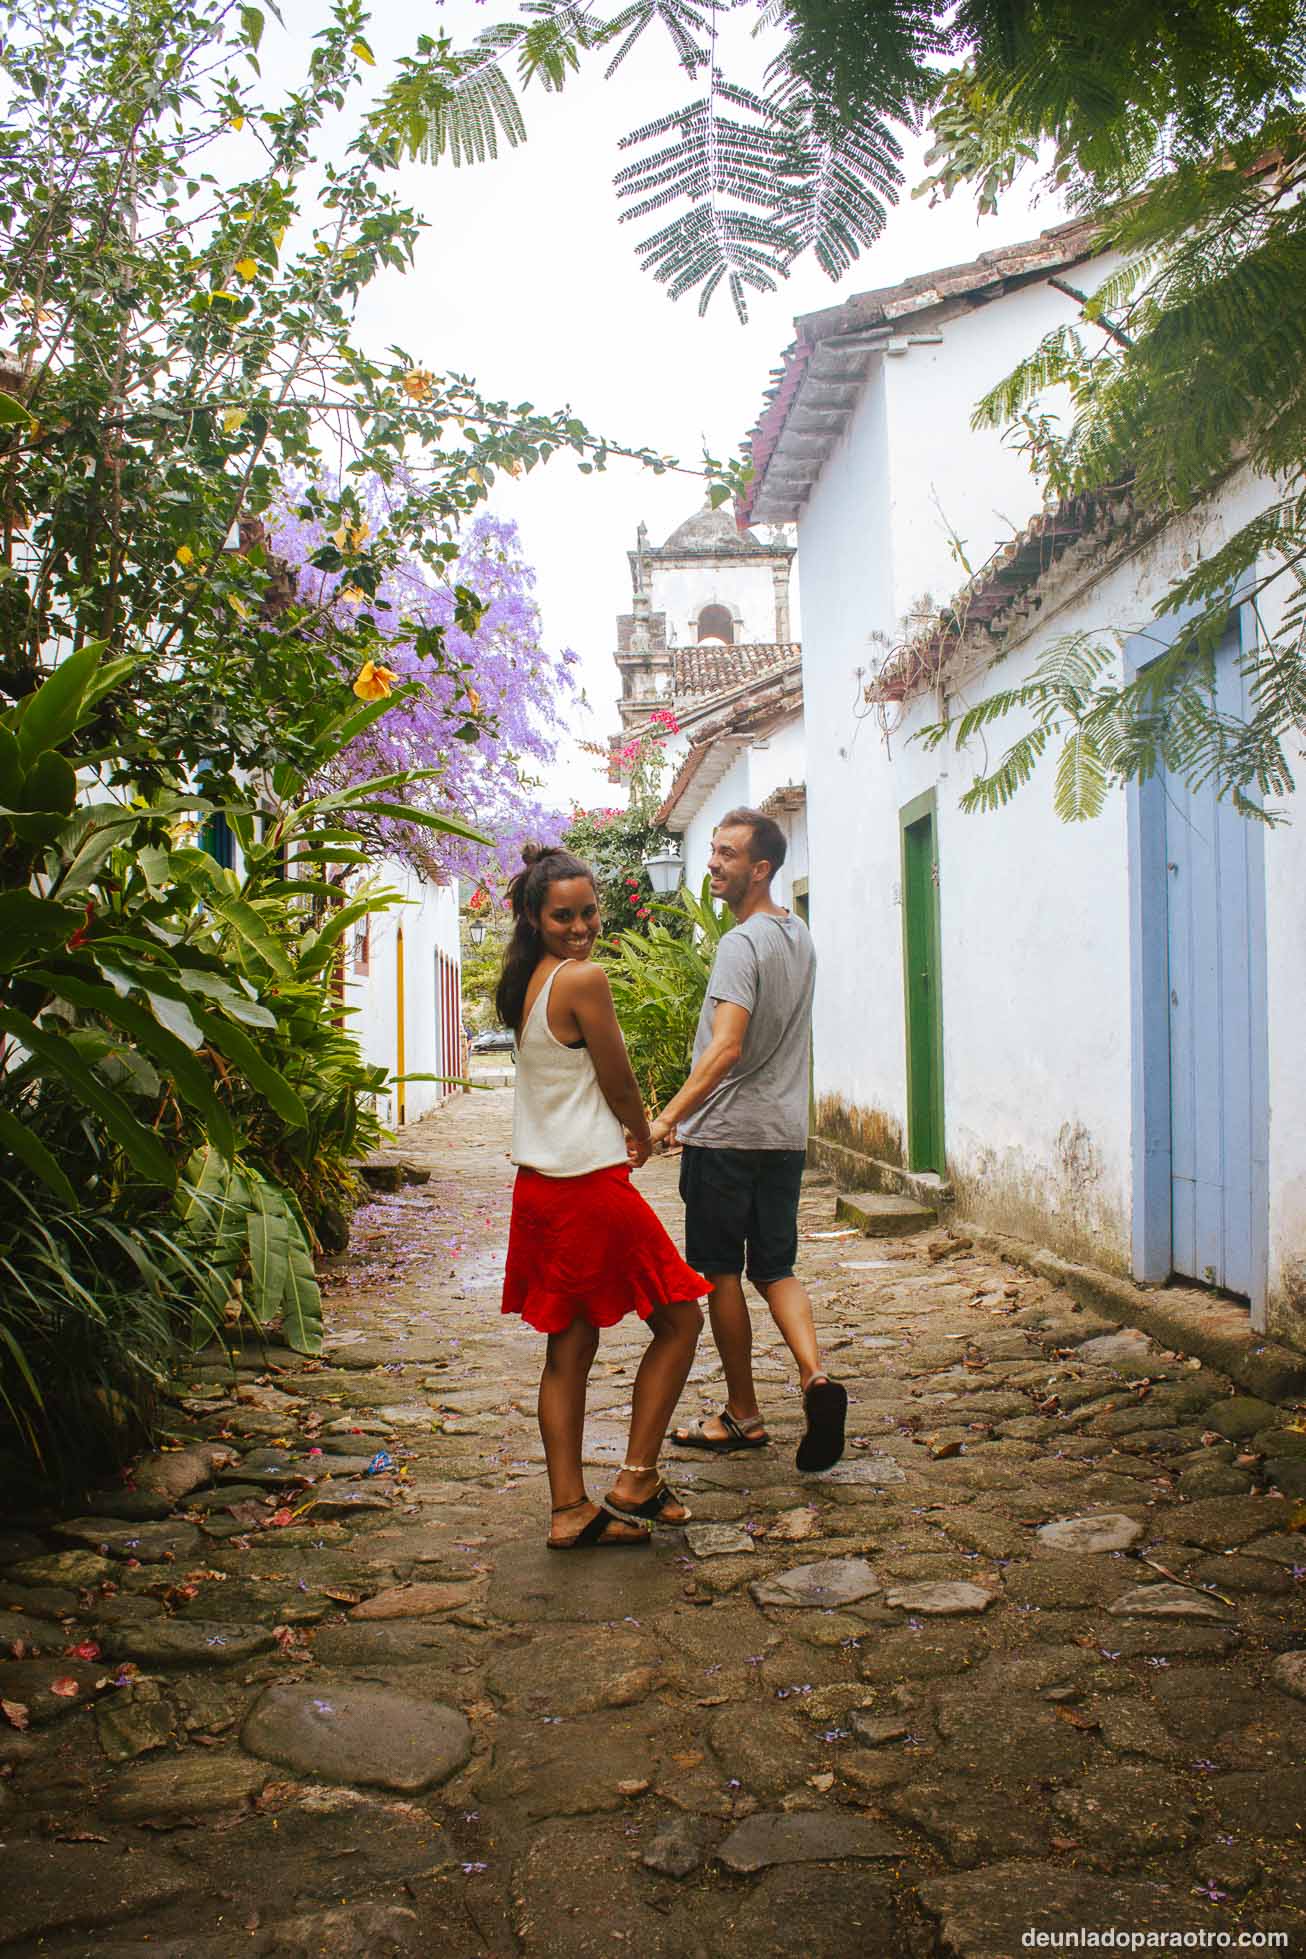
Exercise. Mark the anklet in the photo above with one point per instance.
(558, 1508)
(639, 1468)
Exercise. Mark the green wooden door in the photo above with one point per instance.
(920, 944)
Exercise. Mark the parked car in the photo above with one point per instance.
(495, 1040)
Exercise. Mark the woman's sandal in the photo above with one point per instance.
(735, 1438)
(653, 1507)
(590, 1536)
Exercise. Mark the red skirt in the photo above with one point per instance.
(589, 1248)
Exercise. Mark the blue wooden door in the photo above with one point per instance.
(1212, 855)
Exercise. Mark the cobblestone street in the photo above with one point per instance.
(1030, 1658)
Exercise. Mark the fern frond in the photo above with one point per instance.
(683, 24)
(992, 791)
(455, 105)
(1058, 358)
(718, 165)
(836, 179)
(552, 44)
(1070, 669)
(994, 707)
(703, 247)
(1079, 791)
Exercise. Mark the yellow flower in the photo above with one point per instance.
(473, 700)
(247, 268)
(351, 538)
(352, 594)
(419, 384)
(232, 419)
(185, 556)
(374, 683)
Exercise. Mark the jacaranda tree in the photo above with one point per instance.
(178, 280)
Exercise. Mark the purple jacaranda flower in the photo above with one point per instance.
(497, 699)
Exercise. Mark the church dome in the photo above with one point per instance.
(712, 531)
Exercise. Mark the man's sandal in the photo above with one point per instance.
(590, 1536)
(653, 1507)
(825, 1405)
(736, 1436)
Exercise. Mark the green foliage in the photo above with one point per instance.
(658, 983)
(179, 1100)
(741, 181)
(481, 965)
(179, 276)
(1180, 133)
(615, 843)
(248, 1239)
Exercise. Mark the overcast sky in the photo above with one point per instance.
(527, 281)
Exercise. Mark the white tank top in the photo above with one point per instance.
(561, 1124)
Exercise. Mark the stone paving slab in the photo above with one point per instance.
(986, 1915)
(56, 1887)
(370, 1736)
(543, 1751)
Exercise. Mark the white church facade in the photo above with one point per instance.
(710, 636)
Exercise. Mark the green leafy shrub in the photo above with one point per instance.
(615, 843)
(658, 983)
(178, 1099)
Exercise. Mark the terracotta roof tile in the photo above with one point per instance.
(700, 671)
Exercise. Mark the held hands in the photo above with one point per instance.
(662, 1134)
(638, 1151)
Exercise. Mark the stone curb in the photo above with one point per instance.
(1173, 1319)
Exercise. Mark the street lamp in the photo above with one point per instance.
(665, 871)
(476, 931)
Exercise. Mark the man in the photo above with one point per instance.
(742, 1119)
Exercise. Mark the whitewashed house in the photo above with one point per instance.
(709, 636)
(403, 978)
(1090, 1035)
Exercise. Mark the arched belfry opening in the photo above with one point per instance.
(716, 622)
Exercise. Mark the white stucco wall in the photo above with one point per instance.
(696, 839)
(1034, 913)
(844, 549)
(943, 476)
(429, 921)
(747, 591)
(755, 771)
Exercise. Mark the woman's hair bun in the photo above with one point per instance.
(532, 852)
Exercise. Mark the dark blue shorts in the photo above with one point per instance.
(741, 1211)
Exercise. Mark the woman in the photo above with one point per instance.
(584, 1249)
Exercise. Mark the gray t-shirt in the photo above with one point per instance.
(767, 964)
